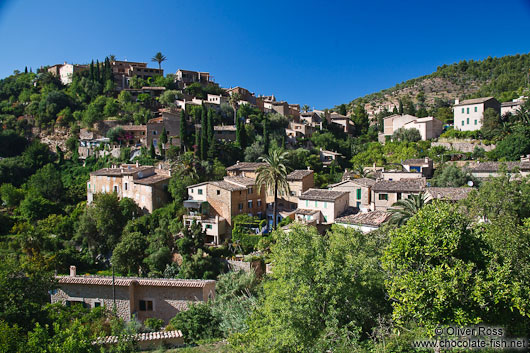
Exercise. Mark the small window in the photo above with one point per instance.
(259, 203)
(115, 188)
(218, 192)
(462, 110)
(463, 122)
(468, 110)
(325, 205)
(208, 226)
(146, 305)
(383, 196)
(316, 203)
(249, 191)
(250, 204)
(240, 206)
(475, 121)
(475, 109)
(306, 203)
(358, 194)
(125, 186)
(467, 121)
(97, 304)
(199, 191)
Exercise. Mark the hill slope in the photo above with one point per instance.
(504, 78)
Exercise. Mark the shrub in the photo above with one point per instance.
(153, 324)
(196, 323)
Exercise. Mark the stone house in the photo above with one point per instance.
(142, 298)
(344, 122)
(66, 71)
(396, 175)
(245, 169)
(450, 194)
(146, 185)
(312, 119)
(136, 135)
(185, 78)
(359, 190)
(365, 222)
(220, 201)
(468, 114)
(123, 71)
(513, 106)
(428, 127)
(484, 170)
(387, 192)
(321, 205)
(327, 157)
(170, 121)
(424, 166)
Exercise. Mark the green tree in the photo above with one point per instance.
(406, 135)
(159, 58)
(405, 209)
(491, 124)
(305, 108)
(197, 323)
(435, 269)
(47, 183)
(273, 176)
(129, 253)
(234, 101)
(360, 120)
(451, 176)
(320, 293)
(10, 195)
(183, 131)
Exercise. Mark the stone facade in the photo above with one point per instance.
(146, 185)
(359, 191)
(140, 297)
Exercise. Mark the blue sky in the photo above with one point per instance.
(320, 53)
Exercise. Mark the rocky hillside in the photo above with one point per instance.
(504, 78)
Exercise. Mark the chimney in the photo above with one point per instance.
(457, 101)
(308, 168)
(426, 160)
(73, 271)
(137, 164)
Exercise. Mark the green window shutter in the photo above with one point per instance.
(468, 110)
(306, 203)
(468, 121)
(325, 205)
(463, 122)
(475, 121)
(358, 194)
(462, 110)
(475, 109)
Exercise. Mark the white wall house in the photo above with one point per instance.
(468, 114)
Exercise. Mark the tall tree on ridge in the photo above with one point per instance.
(234, 99)
(159, 58)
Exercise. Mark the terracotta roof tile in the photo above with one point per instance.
(126, 281)
(403, 185)
(322, 195)
(299, 174)
(374, 218)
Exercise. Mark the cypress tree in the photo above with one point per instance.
(26, 70)
(152, 152)
(400, 109)
(91, 71)
(204, 134)
(266, 137)
(98, 72)
(182, 134)
(238, 133)
(243, 134)
(210, 127)
(163, 137)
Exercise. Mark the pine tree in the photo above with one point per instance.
(183, 137)
(400, 109)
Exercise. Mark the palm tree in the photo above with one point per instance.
(112, 57)
(234, 99)
(274, 177)
(159, 58)
(403, 210)
(305, 108)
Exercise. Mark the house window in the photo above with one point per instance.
(89, 186)
(316, 203)
(468, 110)
(475, 109)
(199, 191)
(97, 304)
(467, 121)
(325, 219)
(462, 110)
(259, 203)
(399, 196)
(240, 206)
(325, 205)
(208, 226)
(250, 204)
(154, 132)
(125, 186)
(218, 192)
(358, 194)
(475, 121)
(249, 191)
(383, 197)
(146, 305)
(306, 203)
(115, 188)
(463, 122)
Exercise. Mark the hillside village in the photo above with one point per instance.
(144, 192)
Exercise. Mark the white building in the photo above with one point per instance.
(468, 114)
(428, 127)
(513, 106)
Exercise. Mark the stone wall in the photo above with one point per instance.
(463, 146)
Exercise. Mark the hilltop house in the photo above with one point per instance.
(424, 166)
(66, 71)
(123, 71)
(146, 185)
(143, 298)
(468, 114)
